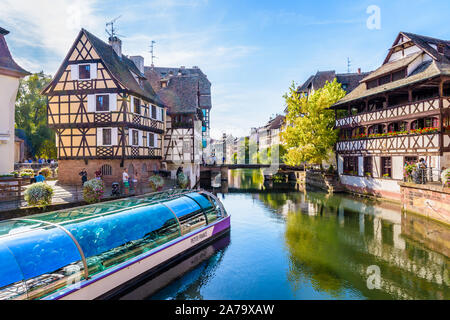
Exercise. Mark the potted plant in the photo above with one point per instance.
(156, 182)
(15, 173)
(445, 176)
(368, 174)
(386, 176)
(408, 171)
(39, 195)
(46, 172)
(93, 190)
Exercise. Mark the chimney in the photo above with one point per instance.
(116, 44)
(139, 62)
(359, 70)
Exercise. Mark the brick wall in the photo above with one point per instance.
(431, 201)
(68, 170)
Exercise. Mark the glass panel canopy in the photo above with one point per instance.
(39, 254)
(47, 259)
(108, 240)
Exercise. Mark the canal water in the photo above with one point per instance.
(287, 243)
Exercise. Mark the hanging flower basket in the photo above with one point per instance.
(93, 191)
(156, 183)
(39, 195)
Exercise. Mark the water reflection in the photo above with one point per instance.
(287, 244)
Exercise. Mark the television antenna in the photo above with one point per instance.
(112, 32)
(152, 51)
(349, 63)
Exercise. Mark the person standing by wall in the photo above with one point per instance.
(83, 175)
(126, 182)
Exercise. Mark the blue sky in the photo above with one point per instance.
(250, 50)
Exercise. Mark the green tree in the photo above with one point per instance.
(310, 135)
(31, 115)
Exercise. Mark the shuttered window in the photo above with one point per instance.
(84, 71)
(102, 102)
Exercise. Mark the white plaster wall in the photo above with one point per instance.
(397, 167)
(376, 167)
(360, 166)
(8, 93)
(445, 160)
(374, 184)
(340, 164)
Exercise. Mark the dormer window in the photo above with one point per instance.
(84, 71)
(163, 84)
(440, 48)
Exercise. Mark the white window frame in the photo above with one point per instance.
(114, 137)
(131, 138)
(92, 102)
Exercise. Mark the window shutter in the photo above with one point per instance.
(141, 143)
(113, 102)
(93, 71)
(91, 103)
(74, 72)
(131, 104)
(114, 136)
(99, 137)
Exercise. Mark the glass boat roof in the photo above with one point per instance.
(47, 249)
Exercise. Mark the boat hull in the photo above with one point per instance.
(102, 284)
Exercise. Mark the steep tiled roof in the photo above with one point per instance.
(204, 85)
(321, 77)
(438, 65)
(122, 68)
(187, 89)
(392, 66)
(276, 123)
(7, 63)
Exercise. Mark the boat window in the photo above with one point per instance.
(48, 260)
(11, 284)
(182, 206)
(108, 240)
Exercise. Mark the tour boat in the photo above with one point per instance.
(93, 251)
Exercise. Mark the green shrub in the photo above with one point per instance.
(93, 190)
(46, 172)
(156, 183)
(27, 170)
(182, 180)
(39, 195)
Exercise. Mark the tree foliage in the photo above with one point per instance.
(31, 115)
(310, 135)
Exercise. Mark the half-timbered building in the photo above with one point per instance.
(398, 114)
(104, 111)
(187, 96)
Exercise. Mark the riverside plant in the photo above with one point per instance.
(182, 181)
(156, 182)
(39, 195)
(93, 190)
(46, 172)
(408, 171)
(445, 176)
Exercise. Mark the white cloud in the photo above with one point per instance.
(47, 25)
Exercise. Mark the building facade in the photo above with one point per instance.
(10, 74)
(187, 95)
(398, 114)
(105, 113)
